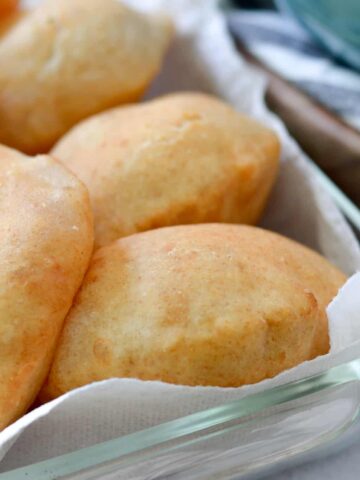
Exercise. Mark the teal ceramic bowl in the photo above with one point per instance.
(335, 24)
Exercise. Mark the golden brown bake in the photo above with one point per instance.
(183, 158)
(9, 19)
(7, 6)
(68, 59)
(45, 246)
(8, 22)
(211, 304)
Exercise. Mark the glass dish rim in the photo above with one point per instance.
(88, 458)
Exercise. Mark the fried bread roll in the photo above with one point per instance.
(182, 158)
(45, 245)
(9, 19)
(7, 6)
(68, 59)
(217, 304)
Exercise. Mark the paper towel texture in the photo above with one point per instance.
(203, 58)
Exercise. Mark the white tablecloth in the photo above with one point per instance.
(343, 466)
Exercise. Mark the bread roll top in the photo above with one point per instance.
(216, 304)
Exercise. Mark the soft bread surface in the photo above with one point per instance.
(68, 59)
(216, 304)
(183, 158)
(45, 246)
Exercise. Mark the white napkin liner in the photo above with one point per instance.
(204, 58)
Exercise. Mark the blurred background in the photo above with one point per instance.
(310, 51)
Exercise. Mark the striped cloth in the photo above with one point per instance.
(280, 43)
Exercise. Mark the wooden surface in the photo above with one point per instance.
(332, 144)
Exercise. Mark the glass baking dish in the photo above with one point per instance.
(248, 438)
(243, 439)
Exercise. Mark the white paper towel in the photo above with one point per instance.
(203, 58)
